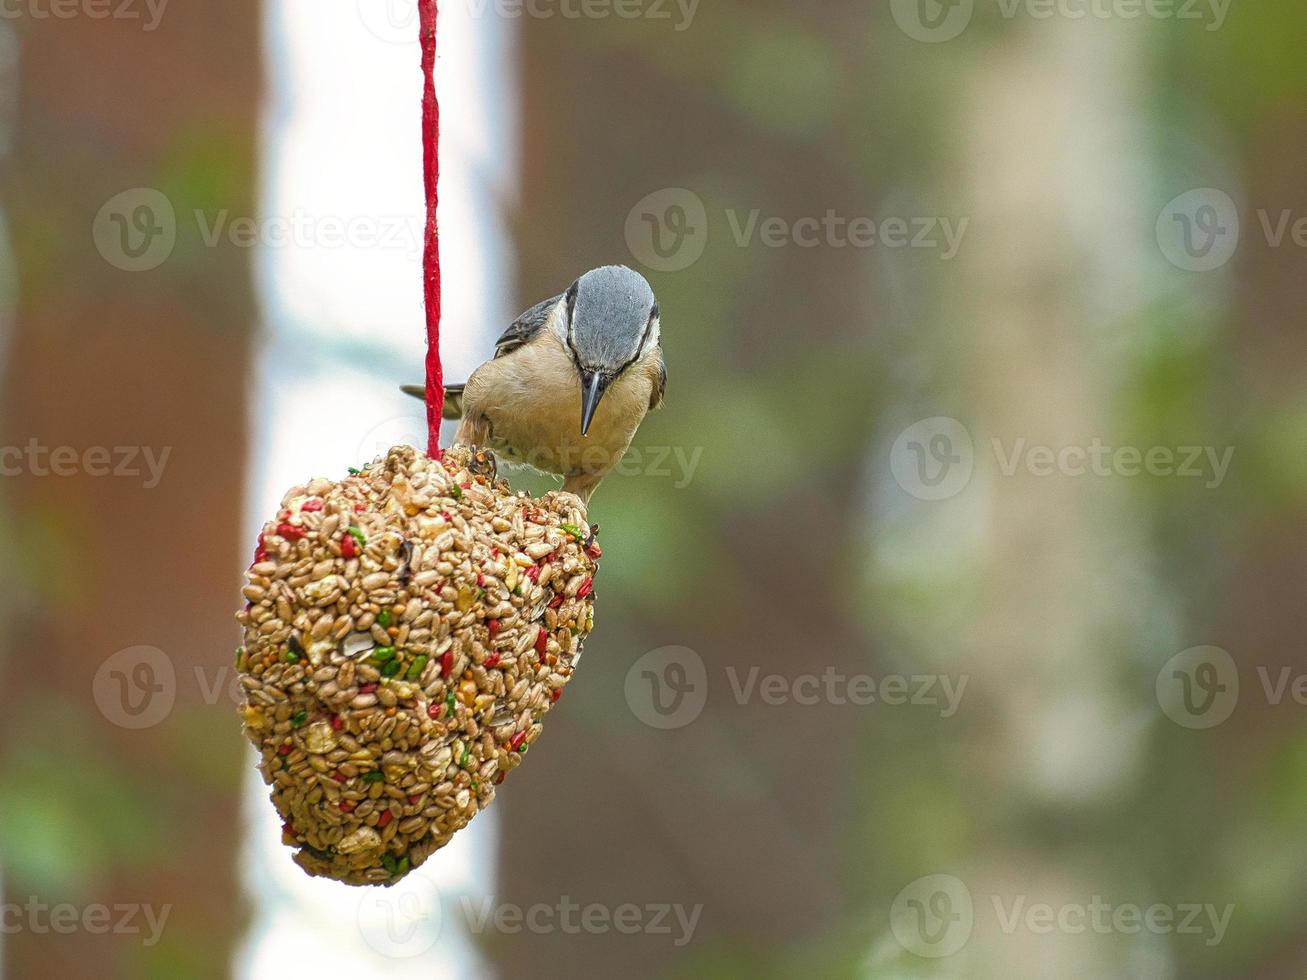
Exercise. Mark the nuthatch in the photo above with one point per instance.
(571, 380)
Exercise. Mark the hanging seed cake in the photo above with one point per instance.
(406, 631)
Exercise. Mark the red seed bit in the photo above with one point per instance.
(493, 627)
(414, 800)
(516, 741)
(542, 641)
(360, 508)
(284, 750)
(556, 602)
(290, 532)
(368, 689)
(533, 573)
(500, 778)
(434, 711)
(337, 723)
(586, 588)
(349, 548)
(261, 550)
(492, 661)
(312, 506)
(288, 829)
(557, 695)
(447, 663)
(481, 581)
(338, 777)
(385, 818)
(449, 518)
(347, 806)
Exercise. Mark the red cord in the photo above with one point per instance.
(431, 252)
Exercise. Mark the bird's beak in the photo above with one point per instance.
(593, 386)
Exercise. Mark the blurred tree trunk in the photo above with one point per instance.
(96, 564)
(1059, 740)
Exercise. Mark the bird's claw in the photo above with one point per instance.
(483, 463)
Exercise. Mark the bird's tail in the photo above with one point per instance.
(453, 398)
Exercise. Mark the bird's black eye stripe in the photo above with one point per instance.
(572, 293)
(648, 329)
(571, 300)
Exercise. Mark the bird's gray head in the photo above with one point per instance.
(611, 320)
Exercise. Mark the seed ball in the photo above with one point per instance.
(406, 631)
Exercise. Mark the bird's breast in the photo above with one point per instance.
(532, 400)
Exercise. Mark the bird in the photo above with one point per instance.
(570, 382)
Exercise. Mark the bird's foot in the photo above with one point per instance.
(484, 463)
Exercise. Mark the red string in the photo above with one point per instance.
(431, 252)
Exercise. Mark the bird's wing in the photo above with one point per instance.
(521, 330)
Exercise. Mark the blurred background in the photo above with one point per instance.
(952, 613)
